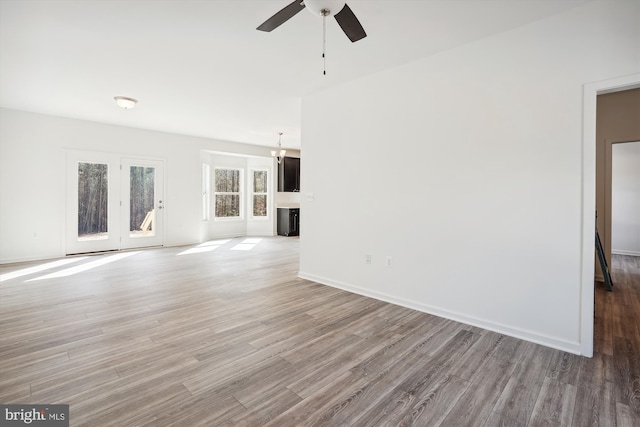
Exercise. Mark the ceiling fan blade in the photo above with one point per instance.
(350, 24)
(281, 17)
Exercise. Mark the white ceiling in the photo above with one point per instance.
(200, 67)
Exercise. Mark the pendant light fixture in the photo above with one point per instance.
(279, 155)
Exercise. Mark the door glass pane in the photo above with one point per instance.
(93, 192)
(141, 201)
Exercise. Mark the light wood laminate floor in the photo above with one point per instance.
(233, 337)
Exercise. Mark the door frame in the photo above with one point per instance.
(127, 242)
(116, 217)
(72, 245)
(608, 191)
(587, 261)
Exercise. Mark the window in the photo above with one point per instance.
(227, 193)
(259, 192)
(206, 190)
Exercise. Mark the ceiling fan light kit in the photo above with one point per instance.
(324, 7)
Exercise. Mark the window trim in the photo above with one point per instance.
(240, 193)
(251, 191)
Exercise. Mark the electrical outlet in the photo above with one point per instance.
(367, 259)
(389, 261)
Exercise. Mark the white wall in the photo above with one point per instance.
(32, 178)
(465, 167)
(625, 198)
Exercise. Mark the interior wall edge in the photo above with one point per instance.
(523, 334)
(588, 270)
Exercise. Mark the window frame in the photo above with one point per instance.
(240, 193)
(253, 193)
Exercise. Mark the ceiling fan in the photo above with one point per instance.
(339, 9)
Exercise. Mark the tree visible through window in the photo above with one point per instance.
(227, 193)
(93, 196)
(141, 200)
(259, 193)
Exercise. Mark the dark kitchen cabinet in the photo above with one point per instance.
(289, 175)
(288, 221)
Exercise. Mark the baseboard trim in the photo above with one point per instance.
(548, 341)
(624, 252)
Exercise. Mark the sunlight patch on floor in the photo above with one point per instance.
(205, 247)
(39, 268)
(198, 250)
(246, 245)
(84, 267)
(214, 243)
(252, 240)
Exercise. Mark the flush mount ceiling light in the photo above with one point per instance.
(125, 102)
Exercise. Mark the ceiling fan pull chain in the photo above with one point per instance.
(324, 43)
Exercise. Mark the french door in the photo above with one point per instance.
(142, 203)
(113, 202)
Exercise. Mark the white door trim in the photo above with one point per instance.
(590, 94)
(116, 219)
(112, 242)
(157, 239)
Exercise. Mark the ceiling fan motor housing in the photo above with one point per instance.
(319, 7)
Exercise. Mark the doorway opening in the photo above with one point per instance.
(625, 199)
(113, 202)
(590, 95)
